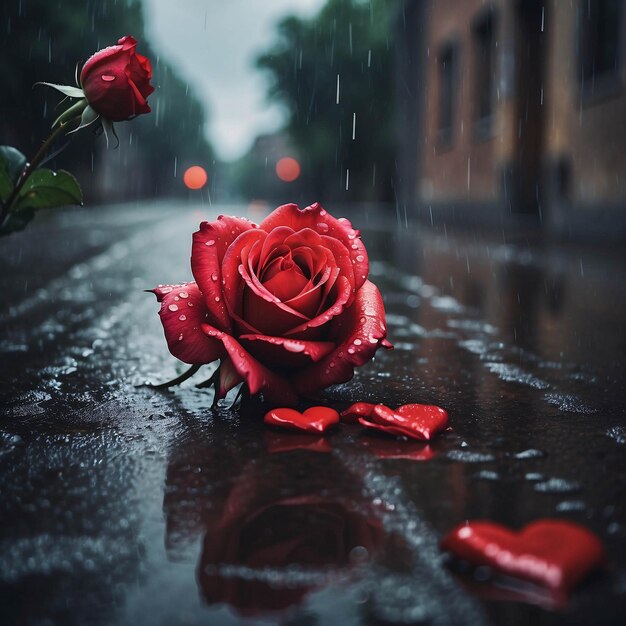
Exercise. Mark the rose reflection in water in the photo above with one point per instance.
(274, 528)
(311, 534)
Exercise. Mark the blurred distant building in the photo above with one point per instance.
(515, 110)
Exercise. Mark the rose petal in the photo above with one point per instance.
(360, 331)
(124, 44)
(182, 312)
(273, 241)
(209, 247)
(317, 219)
(344, 292)
(287, 283)
(284, 352)
(269, 318)
(258, 377)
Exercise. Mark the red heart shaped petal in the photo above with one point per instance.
(419, 421)
(551, 553)
(316, 419)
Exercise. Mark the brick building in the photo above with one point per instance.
(515, 110)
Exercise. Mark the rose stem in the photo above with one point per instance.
(31, 166)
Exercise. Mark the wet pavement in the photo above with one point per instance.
(125, 505)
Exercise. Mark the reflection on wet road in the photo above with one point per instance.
(123, 505)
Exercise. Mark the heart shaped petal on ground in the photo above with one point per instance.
(417, 421)
(554, 554)
(316, 419)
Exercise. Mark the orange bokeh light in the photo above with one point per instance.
(288, 169)
(195, 177)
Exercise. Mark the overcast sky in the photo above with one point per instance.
(213, 44)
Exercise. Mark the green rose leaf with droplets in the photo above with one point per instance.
(46, 189)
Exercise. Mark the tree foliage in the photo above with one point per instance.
(342, 53)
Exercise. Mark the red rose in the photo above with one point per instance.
(285, 306)
(116, 81)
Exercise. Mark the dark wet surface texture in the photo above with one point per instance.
(124, 505)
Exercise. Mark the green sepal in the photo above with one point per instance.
(45, 189)
(66, 90)
(75, 111)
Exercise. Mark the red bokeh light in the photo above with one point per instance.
(195, 177)
(288, 169)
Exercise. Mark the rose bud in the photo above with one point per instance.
(116, 81)
(285, 306)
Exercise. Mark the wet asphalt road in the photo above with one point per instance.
(124, 505)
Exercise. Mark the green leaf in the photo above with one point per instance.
(14, 161)
(46, 189)
(16, 220)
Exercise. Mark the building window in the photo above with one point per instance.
(484, 72)
(600, 26)
(448, 72)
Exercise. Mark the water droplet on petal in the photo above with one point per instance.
(214, 276)
(180, 337)
(322, 227)
(173, 307)
(210, 242)
(183, 294)
(107, 78)
(182, 318)
(360, 258)
(217, 298)
(357, 342)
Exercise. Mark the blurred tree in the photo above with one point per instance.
(43, 40)
(333, 74)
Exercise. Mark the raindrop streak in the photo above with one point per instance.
(337, 89)
(369, 58)
(175, 165)
(353, 126)
(347, 179)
